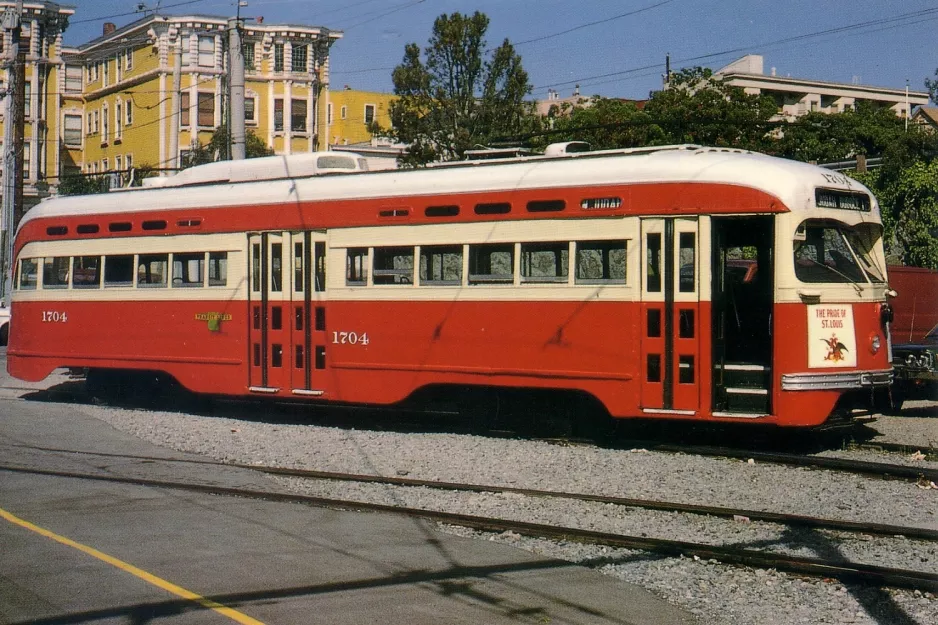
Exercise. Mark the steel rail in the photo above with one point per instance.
(793, 520)
(862, 467)
(844, 571)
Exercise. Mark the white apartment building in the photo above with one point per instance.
(798, 96)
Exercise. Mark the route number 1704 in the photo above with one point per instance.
(350, 338)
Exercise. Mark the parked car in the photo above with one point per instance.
(916, 367)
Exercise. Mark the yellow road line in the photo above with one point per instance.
(147, 577)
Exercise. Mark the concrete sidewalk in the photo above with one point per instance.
(269, 562)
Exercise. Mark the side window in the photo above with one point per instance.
(441, 265)
(55, 272)
(188, 270)
(86, 272)
(355, 266)
(217, 268)
(29, 274)
(601, 262)
(152, 270)
(545, 262)
(492, 263)
(393, 265)
(119, 270)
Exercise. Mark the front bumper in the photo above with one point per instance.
(840, 381)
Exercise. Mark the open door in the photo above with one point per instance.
(671, 319)
(743, 285)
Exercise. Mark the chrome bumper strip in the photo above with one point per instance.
(836, 381)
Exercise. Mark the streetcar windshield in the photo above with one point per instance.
(832, 252)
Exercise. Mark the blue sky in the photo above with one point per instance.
(594, 43)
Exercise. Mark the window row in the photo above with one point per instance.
(181, 270)
(595, 262)
(99, 122)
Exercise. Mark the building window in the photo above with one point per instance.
(329, 114)
(278, 57)
(72, 133)
(118, 162)
(248, 56)
(92, 72)
(250, 110)
(129, 161)
(90, 125)
(105, 73)
(298, 115)
(27, 156)
(184, 115)
(369, 114)
(118, 119)
(129, 112)
(207, 51)
(206, 109)
(73, 79)
(129, 58)
(104, 165)
(27, 97)
(343, 112)
(105, 123)
(278, 114)
(298, 60)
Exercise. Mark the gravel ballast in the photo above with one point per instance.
(717, 593)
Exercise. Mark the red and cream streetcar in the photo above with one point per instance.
(674, 282)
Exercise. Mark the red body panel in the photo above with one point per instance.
(790, 328)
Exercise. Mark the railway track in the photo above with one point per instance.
(864, 468)
(844, 571)
(877, 469)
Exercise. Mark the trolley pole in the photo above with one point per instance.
(12, 147)
(236, 87)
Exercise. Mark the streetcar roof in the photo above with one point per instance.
(792, 182)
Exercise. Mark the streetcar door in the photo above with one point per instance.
(671, 317)
(268, 300)
(308, 313)
(742, 315)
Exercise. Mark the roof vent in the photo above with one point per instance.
(570, 147)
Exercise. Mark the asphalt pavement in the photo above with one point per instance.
(81, 550)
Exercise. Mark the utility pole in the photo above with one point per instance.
(236, 86)
(174, 103)
(12, 147)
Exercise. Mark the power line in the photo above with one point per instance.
(385, 14)
(115, 15)
(602, 21)
(821, 33)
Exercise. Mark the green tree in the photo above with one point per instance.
(79, 184)
(604, 123)
(456, 100)
(909, 205)
(700, 108)
(217, 148)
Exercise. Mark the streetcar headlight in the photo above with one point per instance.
(875, 343)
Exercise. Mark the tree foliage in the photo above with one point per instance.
(701, 108)
(455, 99)
(79, 184)
(218, 148)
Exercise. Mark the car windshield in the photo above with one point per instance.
(826, 255)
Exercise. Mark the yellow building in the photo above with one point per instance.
(350, 113)
(123, 115)
(42, 24)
